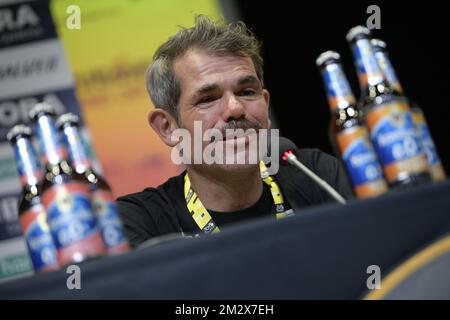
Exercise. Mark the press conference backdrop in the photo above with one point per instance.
(33, 67)
(97, 72)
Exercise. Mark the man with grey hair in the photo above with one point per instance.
(212, 75)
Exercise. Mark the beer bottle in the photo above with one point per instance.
(102, 198)
(382, 58)
(388, 118)
(347, 131)
(32, 216)
(65, 195)
(434, 162)
(428, 145)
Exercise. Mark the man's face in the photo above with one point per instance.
(222, 92)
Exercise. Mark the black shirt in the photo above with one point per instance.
(162, 210)
(263, 207)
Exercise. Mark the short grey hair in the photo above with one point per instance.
(213, 37)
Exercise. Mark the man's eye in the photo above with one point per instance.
(206, 100)
(248, 92)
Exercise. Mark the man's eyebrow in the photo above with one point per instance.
(214, 86)
(248, 79)
(206, 88)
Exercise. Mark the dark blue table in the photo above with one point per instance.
(321, 253)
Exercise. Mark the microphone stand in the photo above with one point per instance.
(292, 159)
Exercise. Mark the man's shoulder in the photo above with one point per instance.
(151, 212)
(151, 194)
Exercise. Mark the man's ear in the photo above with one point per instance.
(163, 123)
(266, 96)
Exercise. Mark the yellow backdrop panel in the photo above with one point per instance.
(108, 56)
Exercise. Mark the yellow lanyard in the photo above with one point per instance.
(202, 217)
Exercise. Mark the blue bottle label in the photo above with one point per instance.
(395, 139)
(52, 148)
(434, 162)
(71, 220)
(366, 63)
(389, 72)
(109, 221)
(428, 143)
(361, 162)
(38, 238)
(337, 86)
(28, 165)
(76, 148)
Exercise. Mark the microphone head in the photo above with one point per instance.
(286, 147)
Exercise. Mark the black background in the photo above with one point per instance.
(294, 33)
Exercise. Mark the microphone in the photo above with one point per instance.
(287, 154)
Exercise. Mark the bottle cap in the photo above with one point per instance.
(67, 118)
(356, 31)
(18, 129)
(327, 55)
(41, 107)
(378, 44)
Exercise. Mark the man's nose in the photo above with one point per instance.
(233, 109)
